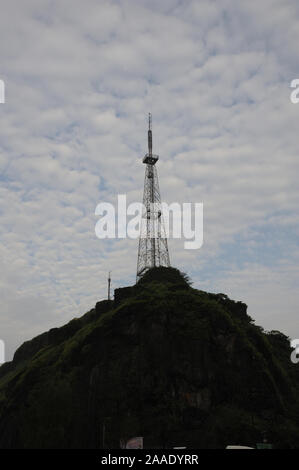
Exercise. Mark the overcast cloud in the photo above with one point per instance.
(80, 79)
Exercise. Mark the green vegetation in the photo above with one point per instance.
(174, 364)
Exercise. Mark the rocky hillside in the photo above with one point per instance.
(176, 365)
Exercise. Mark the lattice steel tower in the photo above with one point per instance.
(153, 248)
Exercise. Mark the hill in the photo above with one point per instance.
(176, 365)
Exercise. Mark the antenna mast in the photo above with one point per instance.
(109, 284)
(149, 135)
(153, 247)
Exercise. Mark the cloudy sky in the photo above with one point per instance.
(80, 79)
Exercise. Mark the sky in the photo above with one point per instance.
(80, 79)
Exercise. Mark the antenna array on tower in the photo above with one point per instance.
(153, 247)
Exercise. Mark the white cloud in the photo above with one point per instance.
(80, 79)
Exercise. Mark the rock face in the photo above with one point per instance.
(176, 365)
